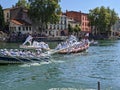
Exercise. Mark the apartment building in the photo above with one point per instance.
(80, 17)
(59, 29)
(115, 29)
(18, 20)
(6, 15)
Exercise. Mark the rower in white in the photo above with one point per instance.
(29, 40)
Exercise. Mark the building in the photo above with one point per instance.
(73, 23)
(80, 17)
(6, 15)
(115, 29)
(18, 20)
(59, 29)
(20, 26)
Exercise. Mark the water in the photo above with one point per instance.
(67, 72)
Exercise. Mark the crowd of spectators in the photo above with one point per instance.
(19, 37)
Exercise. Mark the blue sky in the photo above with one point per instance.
(76, 5)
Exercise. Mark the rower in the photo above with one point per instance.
(58, 46)
(38, 52)
(1, 51)
(6, 52)
(29, 40)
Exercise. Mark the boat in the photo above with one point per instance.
(34, 44)
(19, 60)
(79, 47)
(33, 53)
(71, 45)
(15, 56)
(27, 53)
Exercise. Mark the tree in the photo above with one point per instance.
(77, 29)
(113, 18)
(23, 3)
(74, 29)
(101, 19)
(70, 29)
(43, 11)
(2, 23)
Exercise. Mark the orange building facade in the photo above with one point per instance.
(80, 17)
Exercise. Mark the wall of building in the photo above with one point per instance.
(20, 28)
(115, 29)
(19, 13)
(82, 18)
(6, 15)
(59, 29)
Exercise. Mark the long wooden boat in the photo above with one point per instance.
(20, 60)
(72, 45)
(75, 48)
(34, 44)
(6, 57)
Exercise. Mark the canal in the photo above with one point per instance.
(67, 72)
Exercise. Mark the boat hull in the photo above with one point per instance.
(20, 60)
(75, 50)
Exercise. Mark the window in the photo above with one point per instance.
(62, 27)
(50, 26)
(65, 27)
(46, 32)
(30, 28)
(54, 27)
(57, 26)
(26, 28)
(23, 28)
(14, 28)
(49, 33)
(19, 28)
(7, 20)
(7, 15)
(61, 22)
(65, 22)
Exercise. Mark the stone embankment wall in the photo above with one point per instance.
(3, 36)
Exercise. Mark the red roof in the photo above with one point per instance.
(20, 22)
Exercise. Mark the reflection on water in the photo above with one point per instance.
(74, 71)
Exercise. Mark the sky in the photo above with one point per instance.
(76, 5)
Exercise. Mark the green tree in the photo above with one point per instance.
(70, 29)
(2, 23)
(23, 3)
(113, 18)
(43, 12)
(74, 30)
(77, 29)
(101, 19)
